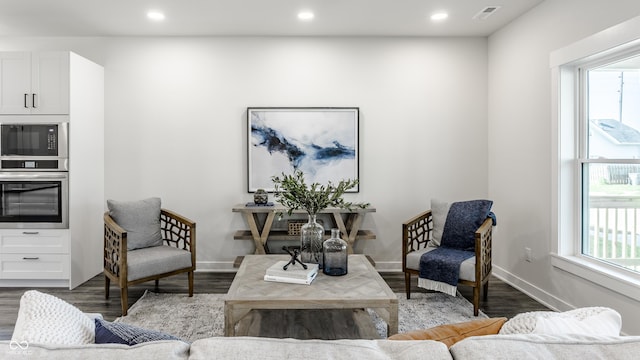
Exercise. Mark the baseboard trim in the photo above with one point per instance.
(215, 266)
(534, 292)
(389, 266)
(531, 290)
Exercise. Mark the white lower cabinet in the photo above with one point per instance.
(34, 254)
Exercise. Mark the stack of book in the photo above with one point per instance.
(295, 273)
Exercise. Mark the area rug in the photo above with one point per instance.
(202, 316)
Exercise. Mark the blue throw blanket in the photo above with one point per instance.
(443, 264)
(441, 267)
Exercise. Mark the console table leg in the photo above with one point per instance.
(260, 235)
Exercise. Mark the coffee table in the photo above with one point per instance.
(362, 287)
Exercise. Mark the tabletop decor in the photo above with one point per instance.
(261, 197)
(293, 193)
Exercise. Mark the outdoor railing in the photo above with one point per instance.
(614, 230)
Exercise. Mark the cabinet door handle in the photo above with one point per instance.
(31, 232)
(25, 100)
(30, 258)
(33, 101)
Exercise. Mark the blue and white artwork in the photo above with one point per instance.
(321, 142)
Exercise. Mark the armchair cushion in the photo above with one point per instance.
(156, 260)
(439, 211)
(467, 268)
(141, 220)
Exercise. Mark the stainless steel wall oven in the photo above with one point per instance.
(34, 200)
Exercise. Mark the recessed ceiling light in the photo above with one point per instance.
(439, 16)
(155, 15)
(305, 15)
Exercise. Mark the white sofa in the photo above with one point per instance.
(529, 346)
(49, 328)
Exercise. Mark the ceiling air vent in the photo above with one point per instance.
(486, 12)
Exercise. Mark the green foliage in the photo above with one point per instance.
(293, 193)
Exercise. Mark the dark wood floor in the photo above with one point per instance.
(503, 299)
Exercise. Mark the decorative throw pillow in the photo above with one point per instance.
(463, 219)
(455, 224)
(141, 220)
(121, 333)
(586, 321)
(46, 319)
(450, 334)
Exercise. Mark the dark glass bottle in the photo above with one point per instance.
(334, 254)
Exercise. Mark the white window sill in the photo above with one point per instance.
(606, 276)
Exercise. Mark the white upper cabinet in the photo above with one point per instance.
(15, 82)
(34, 83)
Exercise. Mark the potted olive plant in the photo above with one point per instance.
(294, 194)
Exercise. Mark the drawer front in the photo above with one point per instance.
(34, 241)
(34, 266)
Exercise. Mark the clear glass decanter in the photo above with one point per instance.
(311, 238)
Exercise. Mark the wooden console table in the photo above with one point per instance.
(347, 221)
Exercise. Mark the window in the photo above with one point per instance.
(609, 156)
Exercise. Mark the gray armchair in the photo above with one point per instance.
(176, 254)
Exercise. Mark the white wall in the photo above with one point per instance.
(520, 148)
(175, 121)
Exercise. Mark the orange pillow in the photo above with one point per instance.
(451, 333)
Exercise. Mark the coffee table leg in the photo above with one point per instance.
(233, 314)
(229, 322)
(390, 315)
(392, 323)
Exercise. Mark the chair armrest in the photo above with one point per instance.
(115, 247)
(178, 231)
(483, 244)
(178, 217)
(416, 233)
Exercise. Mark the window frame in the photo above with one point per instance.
(583, 156)
(567, 74)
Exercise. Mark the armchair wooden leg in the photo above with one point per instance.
(407, 284)
(190, 275)
(476, 300)
(107, 285)
(486, 290)
(124, 299)
(157, 285)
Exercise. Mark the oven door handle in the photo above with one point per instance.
(9, 176)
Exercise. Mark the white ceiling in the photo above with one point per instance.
(254, 17)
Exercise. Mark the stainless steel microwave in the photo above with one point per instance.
(34, 146)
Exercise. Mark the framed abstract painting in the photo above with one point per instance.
(320, 142)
